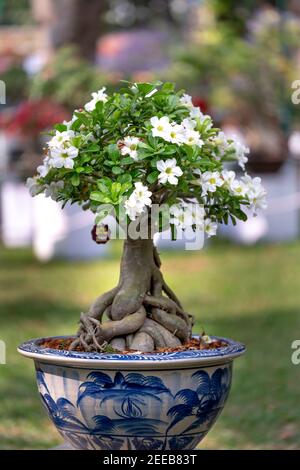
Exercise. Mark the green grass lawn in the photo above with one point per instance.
(251, 294)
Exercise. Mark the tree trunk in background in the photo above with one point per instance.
(77, 22)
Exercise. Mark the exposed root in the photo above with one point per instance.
(99, 306)
(151, 329)
(143, 342)
(167, 290)
(172, 323)
(140, 316)
(156, 257)
(162, 302)
(95, 335)
(118, 343)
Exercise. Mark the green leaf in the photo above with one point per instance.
(101, 215)
(116, 188)
(233, 220)
(116, 170)
(240, 215)
(103, 187)
(168, 86)
(145, 88)
(153, 141)
(173, 101)
(125, 187)
(81, 119)
(92, 148)
(127, 161)
(125, 178)
(153, 162)
(189, 151)
(168, 150)
(60, 127)
(106, 180)
(152, 177)
(113, 151)
(99, 197)
(80, 169)
(75, 180)
(143, 145)
(99, 107)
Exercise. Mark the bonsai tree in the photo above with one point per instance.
(142, 147)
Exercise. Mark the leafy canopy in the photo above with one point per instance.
(142, 145)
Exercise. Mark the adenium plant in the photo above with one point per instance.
(145, 145)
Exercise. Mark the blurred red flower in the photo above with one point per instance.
(30, 118)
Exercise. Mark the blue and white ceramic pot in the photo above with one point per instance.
(162, 401)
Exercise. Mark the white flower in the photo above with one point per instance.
(69, 123)
(196, 113)
(137, 201)
(187, 214)
(239, 188)
(240, 151)
(186, 100)
(129, 147)
(220, 140)
(236, 149)
(64, 157)
(182, 215)
(169, 171)
(210, 181)
(131, 208)
(188, 123)
(192, 137)
(43, 170)
(175, 134)
(96, 97)
(228, 177)
(33, 186)
(61, 139)
(256, 192)
(210, 227)
(52, 190)
(198, 214)
(160, 126)
(142, 194)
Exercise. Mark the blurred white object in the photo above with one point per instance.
(63, 233)
(3, 154)
(34, 63)
(186, 240)
(282, 213)
(294, 144)
(249, 232)
(16, 204)
(49, 226)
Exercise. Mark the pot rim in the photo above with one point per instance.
(164, 360)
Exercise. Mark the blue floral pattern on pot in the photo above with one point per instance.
(152, 410)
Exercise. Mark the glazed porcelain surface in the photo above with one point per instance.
(165, 401)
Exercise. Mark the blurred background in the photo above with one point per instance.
(239, 61)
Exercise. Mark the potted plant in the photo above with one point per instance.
(134, 377)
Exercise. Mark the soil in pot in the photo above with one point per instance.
(192, 344)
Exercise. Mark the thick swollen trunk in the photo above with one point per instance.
(140, 316)
(137, 267)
